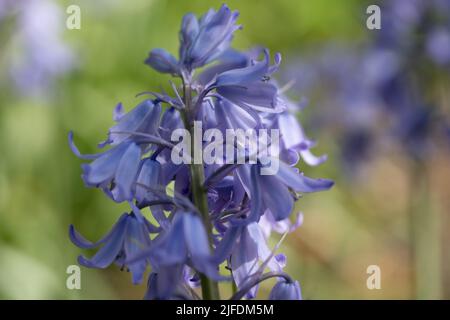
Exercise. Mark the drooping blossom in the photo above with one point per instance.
(37, 53)
(225, 213)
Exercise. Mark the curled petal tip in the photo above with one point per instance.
(75, 150)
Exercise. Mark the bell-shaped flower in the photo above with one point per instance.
(167, 284)
(162, 61)
(128, 238)
(294, 141)
(256, 71)
(234, 117)
(144, 118)
(204, 40)
(285, 290)
(148, 179)
(114, 170)
(248, 87)
(273, 192)
(229, 60)
(186, 242)
(250, 249)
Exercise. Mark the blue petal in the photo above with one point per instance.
(143, 118)
(290, 130)
(242, 76)
(301, 183)
(104, 168)
(126, 172)
(281, 260)
(137, 240)
(160, 217)
(276, 196)
(291, 157)
(264, 253)
(111, 248)
(78, 240)
(259, 96)
(236, 117)
(224, 248)
(75, 150)
(163, 283)
(172, 248)
(249, 179)
(284, 290)
(256, 195)
(220, 180)
(230, 59)
(214, 36)
(188, 33)
(162, 61)
(244, 261)
(311, 159)
(170, 121)
(195, 236)
(118, 112)
(148, 176)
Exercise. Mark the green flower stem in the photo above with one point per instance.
(210, 288)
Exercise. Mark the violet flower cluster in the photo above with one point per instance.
(36, 51)
(381, 93)
(415, 43)
(206, 223)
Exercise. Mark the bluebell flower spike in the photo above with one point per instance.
(239, 206)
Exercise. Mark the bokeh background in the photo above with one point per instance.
(378, 104)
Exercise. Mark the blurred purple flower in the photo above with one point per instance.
(128, 238)
(40, 55)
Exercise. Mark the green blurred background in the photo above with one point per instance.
(345, 230)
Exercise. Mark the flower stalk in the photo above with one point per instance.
(210, 288)
(204, 223)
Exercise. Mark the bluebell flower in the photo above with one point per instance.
(144, 118)
(161, 286)
(162, 61)
(201, 222)
(204, 40)
(201, 42)
(185, 243)
(255, 72)
(273, 191)
(284, 290)
(373, 95)
(294, 143)
(114, 171)
(249, 250)
(128, 238)
(248, 87)
(234, 117)
(150, 178)
(229, 60)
